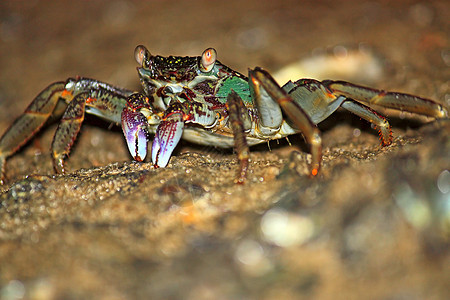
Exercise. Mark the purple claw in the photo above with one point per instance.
(134, 126)
(166, 139)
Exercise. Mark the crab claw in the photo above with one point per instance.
(134, 126)
(167, 136)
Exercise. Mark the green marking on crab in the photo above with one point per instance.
(239, 85)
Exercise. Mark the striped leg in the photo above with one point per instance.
(266, 90)
(236, 112)
(80, 95)
(404, 102)
(67, 130)
(34, 117)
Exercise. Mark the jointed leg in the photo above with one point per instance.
(261, 79)
(25, 126)
(307, 128)
(398, 101)
(102, 99)
(235, 110)
(67, 130)
(373, 117)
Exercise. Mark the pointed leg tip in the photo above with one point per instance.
(240, 180)
(2, 170)
(138, 158)
(385, 143)
(58, 165)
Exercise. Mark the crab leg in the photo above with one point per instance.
(262, 83)
(373, 117)
(67, 130)
(93, 97)
(394, 100)
(235, 110)
(100, 99)
(31, 121)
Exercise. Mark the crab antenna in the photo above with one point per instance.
(208, 60)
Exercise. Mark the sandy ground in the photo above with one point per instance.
(375, 224)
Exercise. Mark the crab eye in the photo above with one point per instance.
(141, 54)
(208, 60)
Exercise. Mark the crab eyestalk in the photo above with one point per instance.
(142, 55)
(208, 60)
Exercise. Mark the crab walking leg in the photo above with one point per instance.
(373, 117)
(261, 79)
(34, 117)
(95, 98)
(235, 110)
(102, 99)
(307, 128)
(67, 130)
(394, 100)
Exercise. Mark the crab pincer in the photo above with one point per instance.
(167, 136)
(134, 126)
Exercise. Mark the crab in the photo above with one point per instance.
(205, 102)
